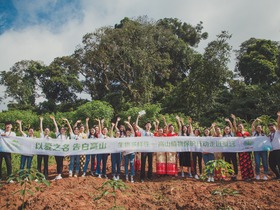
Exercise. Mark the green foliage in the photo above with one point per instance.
(95, 109)
(29, 180)
(224, 168)
(258, 61)
(225, 192)
(111, 187)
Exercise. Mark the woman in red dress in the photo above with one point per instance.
(171, 157)
(245, 161)
(161, 163)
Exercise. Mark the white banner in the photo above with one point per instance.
(58, 147)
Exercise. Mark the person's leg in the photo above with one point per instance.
(86, 164)
(77, 158)
(29, 162)
(71, 165)
(150, 165)
(8, 160)
(92, 162)
(126, 162)
(257, 156)
(113, 162)
(46, 165)
(118, 163)
(1, 158)
(264, 161)
(200, 162)
(143, 165)
(194, 155)
(104, 164)
(98, 165)
(273, 163)
(39, 163)
(132, 168)
(22, 161)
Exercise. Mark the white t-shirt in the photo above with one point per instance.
(276, 141)
(10, 133)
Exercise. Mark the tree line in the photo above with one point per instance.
(141, 62)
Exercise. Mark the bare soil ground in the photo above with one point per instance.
(160, 193)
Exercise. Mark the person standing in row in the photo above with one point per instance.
(274, 156)
(45, 135)
(7, 155)
(59, 159)
(144, 155)
(245, 160)
(25, 159)
(257, 131)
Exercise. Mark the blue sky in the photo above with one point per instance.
(45, 29)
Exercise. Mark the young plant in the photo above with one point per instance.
(111, 187)
(223, 167)
(28, 180)
(225, 192)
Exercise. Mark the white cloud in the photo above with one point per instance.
(46, 40)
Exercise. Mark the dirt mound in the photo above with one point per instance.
(160, 193)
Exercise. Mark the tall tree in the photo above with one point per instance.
(137, 61)
(257, 61)
(22, 84)
(60, 83)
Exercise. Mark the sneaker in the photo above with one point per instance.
(196, 176)
(118, 177)
(36, 180)
(190, 175)
(209, 179)
(84, 174)
(126, 178)
(131, 179)
(75, 176)
(114, 178)
(212, 179)
(70, 173)
(58, 177)
(92, 173)
(105, 177)
(258, 177)
(265, 177)
(183, 174)
(142, 180)
(99, 176)
(11, 181)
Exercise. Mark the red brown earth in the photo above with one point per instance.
(160, 193)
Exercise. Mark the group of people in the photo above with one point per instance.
(166, 162)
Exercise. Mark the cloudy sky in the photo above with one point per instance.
(46, 29)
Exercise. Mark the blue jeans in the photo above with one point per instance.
(116, 163)
(88, 157)
(27, 159)
(74, 158)
(129, 158)
(206, 158)
(103, 158)
(258, 155)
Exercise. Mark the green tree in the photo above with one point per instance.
(258, 61)
(60, 84)
(137, 62)
(22, 84)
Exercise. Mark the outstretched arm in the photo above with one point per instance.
(68, 124)
(55, 124)
(112, 130)
(234, 122)
(179, 124)
(117, 123)
(230, 124)
(19, 122)
(41, 125)
(130, 126)
(87, 127)
(190, 124)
